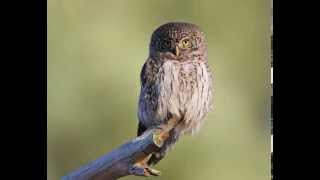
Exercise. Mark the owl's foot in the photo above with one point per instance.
(153, 172)
(162, 131)
(141, 168)
(159, 136)
(138, 170)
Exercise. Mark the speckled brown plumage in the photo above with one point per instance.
(176, 82)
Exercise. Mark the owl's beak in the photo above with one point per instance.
(176, 51)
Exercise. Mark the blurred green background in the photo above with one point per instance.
(96, 49)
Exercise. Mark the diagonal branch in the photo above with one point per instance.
(122, 160)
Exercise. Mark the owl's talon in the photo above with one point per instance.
(161, 132)
(157, 138)
(153, 172)
(139, 171)
(143, 171)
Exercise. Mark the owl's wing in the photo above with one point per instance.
(144, 100)
(143, 75)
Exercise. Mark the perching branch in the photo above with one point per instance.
(126, 159)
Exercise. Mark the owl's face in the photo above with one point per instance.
(178, 41)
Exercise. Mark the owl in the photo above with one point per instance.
(176, 82)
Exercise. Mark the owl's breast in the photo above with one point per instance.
(185, 91)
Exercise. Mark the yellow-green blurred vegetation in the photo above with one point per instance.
(96, 49)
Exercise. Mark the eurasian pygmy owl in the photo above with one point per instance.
(175, 82)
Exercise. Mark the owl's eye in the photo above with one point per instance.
(165, 45)
(185, 43)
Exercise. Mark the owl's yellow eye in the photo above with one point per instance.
(185, 43)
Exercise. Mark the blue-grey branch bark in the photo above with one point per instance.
(121, 161)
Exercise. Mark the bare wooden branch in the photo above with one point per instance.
(124, 160)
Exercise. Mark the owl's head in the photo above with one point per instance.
(178, 41)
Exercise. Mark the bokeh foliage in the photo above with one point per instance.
(96, 49)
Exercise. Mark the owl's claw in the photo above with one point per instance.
(143, 171)
(141, 168)
(153, 172)
(138, 171)
(159, 136)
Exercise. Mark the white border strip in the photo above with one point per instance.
(272, 75)
(271, 143)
